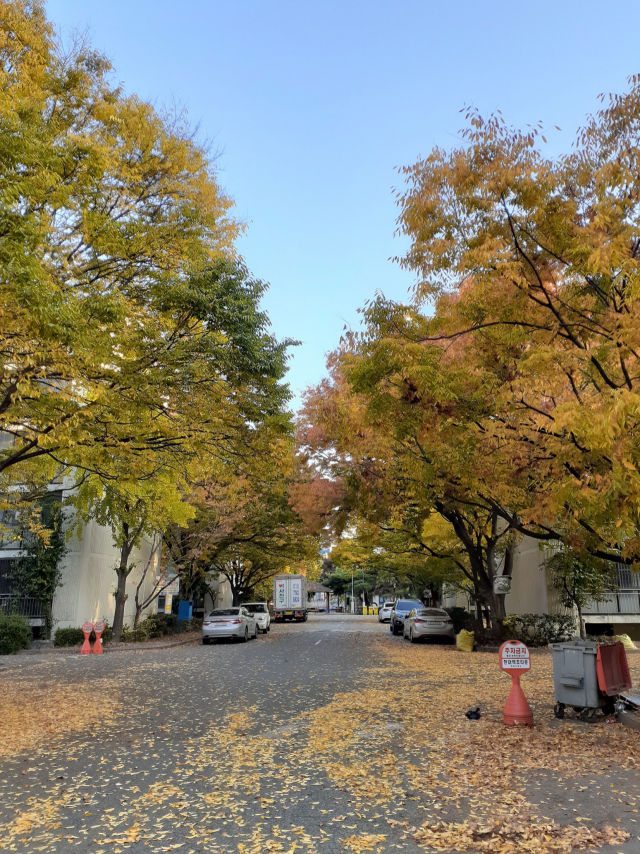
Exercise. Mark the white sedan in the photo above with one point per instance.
(260, 610)
(384, 613)
(428, 623)
(229, 623)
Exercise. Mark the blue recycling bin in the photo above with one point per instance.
(185, 609)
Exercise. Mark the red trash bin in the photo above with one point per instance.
(612, 669)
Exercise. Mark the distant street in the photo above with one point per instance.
(329, 736)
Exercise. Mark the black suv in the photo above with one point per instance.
(402, 609)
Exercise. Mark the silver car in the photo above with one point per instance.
(428, 623)
(384, 613)
(260, 610)
(229, 623)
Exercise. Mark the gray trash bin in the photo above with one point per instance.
(575, 678)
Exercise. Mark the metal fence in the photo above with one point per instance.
(27, 606)
(626, 599)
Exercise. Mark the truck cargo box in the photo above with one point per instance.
(290, 597)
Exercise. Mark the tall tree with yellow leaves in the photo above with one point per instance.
(108, 207)
(533, 263)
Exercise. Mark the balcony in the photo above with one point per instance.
(626, 599)
(27, 606)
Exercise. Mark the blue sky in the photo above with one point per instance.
(313, 104)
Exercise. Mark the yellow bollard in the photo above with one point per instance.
(364, 610)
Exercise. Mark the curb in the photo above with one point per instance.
(108, 648)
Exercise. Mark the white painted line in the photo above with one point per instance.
(317, 642)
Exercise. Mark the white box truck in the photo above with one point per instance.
(290, 597)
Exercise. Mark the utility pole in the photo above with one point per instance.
(353, 604)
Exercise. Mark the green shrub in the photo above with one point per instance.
(158, 626)
(539, 629)
(15, 633)
(68, 637)
(536, 630)
(462, 619)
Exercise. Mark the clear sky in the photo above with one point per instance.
(314, 103)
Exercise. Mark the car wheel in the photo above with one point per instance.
(391, 628)
(255, 632)
(246, 634)
(411, 637)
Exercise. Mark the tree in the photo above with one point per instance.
(132, 510)
(142, 602)
(387, 424)
(107, 204)
(37, 574)
(580, 579)
(533, 263)
(244, 527)
(396, 559)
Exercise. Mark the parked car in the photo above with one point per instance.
(428, 623)
(260, 611)
(401, 609)
(384, 612)
(229, 623)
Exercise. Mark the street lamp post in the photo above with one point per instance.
(353, 607)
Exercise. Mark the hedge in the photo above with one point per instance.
(15, 633)
(155, 626)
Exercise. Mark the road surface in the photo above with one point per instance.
(329, 736)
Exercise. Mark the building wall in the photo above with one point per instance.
(529, 593)
(88, 579)
(220, 596)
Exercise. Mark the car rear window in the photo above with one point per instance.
(225, 612)
(408, 604)
(432, 612)
(258, 608)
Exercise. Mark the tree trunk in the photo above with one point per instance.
(140, 605)
(497, 607)
(122, 571)
(121, 598)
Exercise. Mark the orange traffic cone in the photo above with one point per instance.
(516, 709)
(97, 647)
(87, 628)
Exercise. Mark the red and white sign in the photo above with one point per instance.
(87, 628)
(514, 657)
(97, 647)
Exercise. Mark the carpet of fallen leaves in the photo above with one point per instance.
(34, 715)
(224, 788)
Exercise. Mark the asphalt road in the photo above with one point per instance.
(166, 763)
(243, 748)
